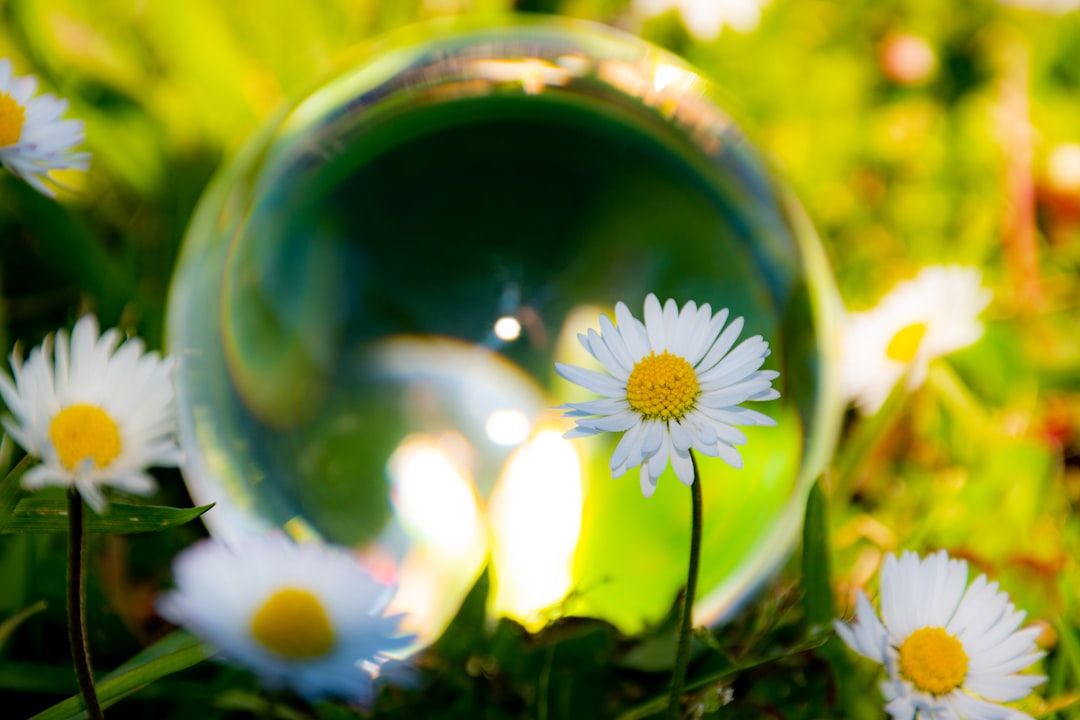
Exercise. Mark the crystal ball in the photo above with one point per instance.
(371, 298)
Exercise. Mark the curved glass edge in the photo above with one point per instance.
(394, 52)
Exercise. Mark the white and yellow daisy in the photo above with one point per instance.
(921, 319)
(308, 616)
(98, 415)
(704, 19)
(673, 384)
(952, 650)
(33, 139)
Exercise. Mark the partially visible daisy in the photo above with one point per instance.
(33, 139)
(924, 318)
(97, 415)
(1054, 7)
(952, 650)
(673, 384)
(308, 616)
(706, 18)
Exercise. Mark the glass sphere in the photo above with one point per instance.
(372, 297)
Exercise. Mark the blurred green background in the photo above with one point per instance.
(913, 132)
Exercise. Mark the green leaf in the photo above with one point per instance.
(1068, 662)
(37, 678)
(698, 681)
(10, 489)
(467, 632)
(8, 626)
(49, 515)
(817, 588)
(171, 654)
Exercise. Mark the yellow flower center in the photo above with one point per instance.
(905, 344)
(293, 624)
(82, 432)
(12, 116)
(933, 660)
(662, 387)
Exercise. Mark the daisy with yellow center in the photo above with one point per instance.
(97, 414)
(673, 383)
(34, 140)
(952, 650)
(921, 319)
(704, 19)
(308, 616)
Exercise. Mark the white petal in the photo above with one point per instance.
(654, 324)
(683, 466)
(591, 380)
(648, 482)
(721, 346)
(632, 331)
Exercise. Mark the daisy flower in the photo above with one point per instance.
(33, 138)
(952, 650)
(673, 384)
(1054, 7)
(98, 414)
(921, 319)
(308, 616)
(705, 19)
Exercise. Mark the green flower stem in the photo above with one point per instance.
(76, 606)
(682, 654)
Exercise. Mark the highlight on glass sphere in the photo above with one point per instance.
(372, 299)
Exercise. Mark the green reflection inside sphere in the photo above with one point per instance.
(371, 299)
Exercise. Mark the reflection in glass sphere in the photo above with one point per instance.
(371, 299)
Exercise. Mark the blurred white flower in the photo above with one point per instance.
(687, 396)
(921, 319)
(952, 650)
(1054, 7)
(706, 18)
(308, 616)
(98, 415)
(33, 139)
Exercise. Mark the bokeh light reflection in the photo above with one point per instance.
(535, 513)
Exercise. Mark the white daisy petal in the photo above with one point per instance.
(654, 324)
(711, 326)
(655, 432)
(308, 616)
(615, 343)
(729, 455)
(657, 392)
(41, 142)
(91, 493)
(659, 459)
(600, 350)
(680, 436)
(618, 422)
(112, 407)
(40, 476)
(683, 466)
(720, 348)
(579, 432)
(684, 332)
(629, 451)
(590, 380)
(671, 319)
(927, 317)
(647, 481)
(607, 406)
(632, 331)
(957, 643)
